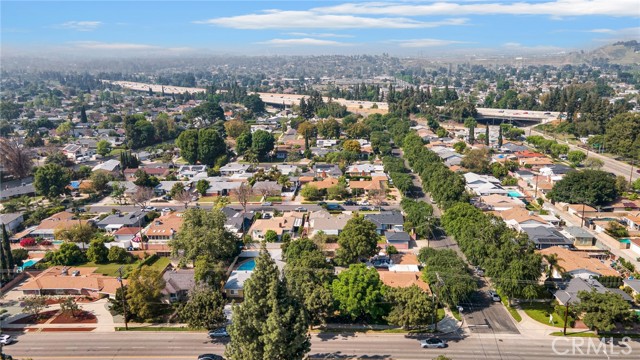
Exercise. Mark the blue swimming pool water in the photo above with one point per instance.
(514, 193)
(625, 241)
(248, 266)
(29, 263)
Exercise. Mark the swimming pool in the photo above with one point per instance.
(625, 241)
(247, 265)
(514, 193)
(29, 263)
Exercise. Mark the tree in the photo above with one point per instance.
(476, 160)
(243, 142)
(118, 255)
(593, 163)
(576, 157)
(144, 293)
(204, 309)
(188, 143)
(176, 189)
(351, 145)
(500, 136)
(202, 186)
(203, 233)
(553, 265)
(118, 192)
(559, 149)
(621, 134)
(57, 157)
(145, 180)
(97, 252)
(68, 305)
(243, 194)
(80, 233)
(100, 181)
(68, 254)
(51, 181)
(254, 103)
(337, 192)
(210, 272)
(103, 147)
(412, 307)
(262, 143)
(602, 310)
(311, 193)
(142, 196)
(83, 115)
(6, 256)
(64, 129)
(236, 127)
(33, 305)
(447, 275)
(359, 293)
(471, 124)
(486, 136)
(210, 146)
(16, 159)
(270, 236)
(622, 184)
(593, 187)
(459, 147)
(183, 197)
(329, 129)
(274, 325)
(357, 240)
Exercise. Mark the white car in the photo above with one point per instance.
(6, 339)
(494, 295)
(433, 343)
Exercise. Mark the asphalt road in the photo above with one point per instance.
(183, 345)
(250, 207)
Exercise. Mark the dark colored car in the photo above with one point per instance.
(349, 203)
(210, 357)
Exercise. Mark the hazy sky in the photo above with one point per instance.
(314, 27)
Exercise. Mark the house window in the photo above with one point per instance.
(233, 292)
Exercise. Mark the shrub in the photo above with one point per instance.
(19, 256)
(45, 242)
(28, 242)
(119, 255)
(391, 250)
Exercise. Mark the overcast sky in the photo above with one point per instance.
(315, 27)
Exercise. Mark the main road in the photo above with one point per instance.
(186, 346)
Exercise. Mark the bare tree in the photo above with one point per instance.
(184, 197)
(16, 159)
(243, 194)
(377, 196)
(142, 196)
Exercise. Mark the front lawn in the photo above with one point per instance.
(540, 313)
(111, 269)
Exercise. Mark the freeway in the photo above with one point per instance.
(187, 345)
(610, 165)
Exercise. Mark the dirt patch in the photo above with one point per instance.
(66, 329)
(82, 317)
(41, 319)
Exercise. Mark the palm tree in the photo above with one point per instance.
(25, 202)
(553, 262)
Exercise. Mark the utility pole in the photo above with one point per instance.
(631, 172)
(435, 302)
(124, 299)
(566, 316)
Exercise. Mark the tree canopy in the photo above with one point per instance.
(359, 293)
(357, 240)
(593, 187)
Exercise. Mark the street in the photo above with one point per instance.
(187, 345)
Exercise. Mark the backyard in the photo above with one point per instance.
(111, 269)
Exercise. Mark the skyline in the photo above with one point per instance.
(312, 27)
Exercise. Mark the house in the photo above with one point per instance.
(569, 292)
(519, 217)
(403, 279)
(234, 168)
(525, 175)
(632, 220)
(234, 287)
(579, 236)
(513, 147)
(326, 143)
(365, 170)
(322, 221)
(164, 228)
(555, 170)
(578, 264)
(286, 169)
(130, 187)
(178, 284)
(237, 222)
(109, 166)
(125, 234)
(157, 171)
(361, 187)
(326, 170)
(386, 220)
(189, 171)
(222, 188)
(324, 183)
(164, 187)
(22, 190)
(578, 209)
(399, 239)
(62, 280)
(483, 184)
(535, 162)
(72, 151)
(635, 245)
(498, 202)
(116, 221)
(282, 151)
(267, 188)
(60, 221)
(634, 285)
(545, 236)
(289, 222)
(11, 221)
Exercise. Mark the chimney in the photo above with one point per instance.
(65, 271)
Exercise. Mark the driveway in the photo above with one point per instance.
(482, 315)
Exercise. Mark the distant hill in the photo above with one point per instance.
(621, 52)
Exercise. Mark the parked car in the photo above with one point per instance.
(433, 343)
(322, 203)
(217, 333)
(493, 295)
(168, 209)
(150, 208)
(166, 197)
(349, 203)
(334, 207)
(267, 203)
(210, 357)
(364, 208)
(6, 339)
(300, 209)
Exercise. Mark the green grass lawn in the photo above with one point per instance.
(540, 313)
(274, 198)
(575, 334)
(514, 313)
(112, 269)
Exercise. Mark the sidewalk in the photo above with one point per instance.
(531, 328)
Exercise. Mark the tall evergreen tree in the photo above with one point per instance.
(5, 255)
(273, 324)
(83, 115)
(500, 136)
(486, 136)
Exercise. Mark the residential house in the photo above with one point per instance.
(267, 188)
(399, 239)
(386, 220)
(164, 187)
(109, 166)
(569, 292)
(126, 234)
(60, 221)
(525, 175)
(326, 170)
(498, 202)
(157, 171)
(361, 187)
(16, 191)
(365, 170)
(286, 169)
(483, 184)
(578, 264)
(324, 183)
(189, 171)
(513, 147)
(632, 220)
(578, 209)
(222, 188)
(635, 245)
(234, 287)
(237, 221)
(289, 222)
(282, 151)
(62, 280)
(322, 221)
(73, 151)
(164, 228)
(519, 217)
(234, 168)
(178, 284)
(536, 162)
(545, 236)
(448, 155)
(116, 221)
(326, 143)
(11, 221)
(634, 285)
(555, 171)
(130, 187)
(580, 237)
